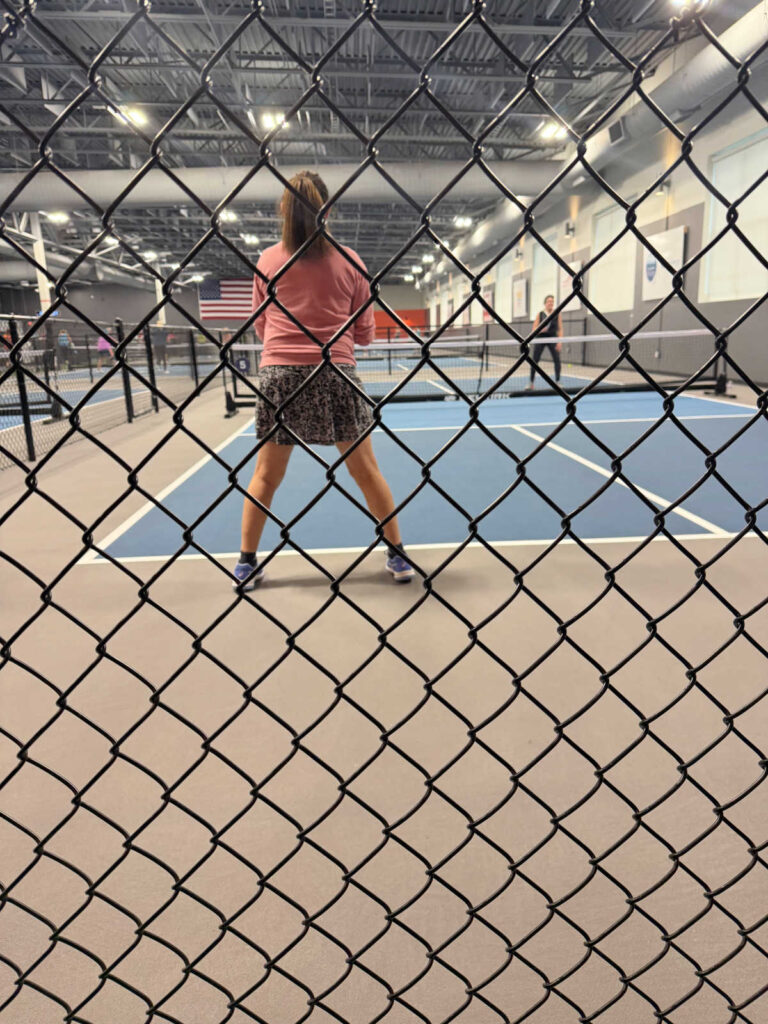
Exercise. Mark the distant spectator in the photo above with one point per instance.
(103, 348)
(63, 350)
(160, 349)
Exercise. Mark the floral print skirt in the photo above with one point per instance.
(326, 410)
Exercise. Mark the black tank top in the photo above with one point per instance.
(549, 330)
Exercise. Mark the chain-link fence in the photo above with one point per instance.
(102, 375)
(326, 865)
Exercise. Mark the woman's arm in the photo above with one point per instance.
(259, 295)
(364, 328)
(559, 332)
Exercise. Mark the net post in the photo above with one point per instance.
(23, 398)
(120, 334)
(193, 357)
(147, 331)
(49, 365)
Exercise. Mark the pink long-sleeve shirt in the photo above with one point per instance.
(321, 293)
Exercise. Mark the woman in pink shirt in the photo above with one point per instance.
(316, 297)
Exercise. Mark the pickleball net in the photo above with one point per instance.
(466, 367)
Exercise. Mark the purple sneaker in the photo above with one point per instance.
(400, 570)
(246, 576)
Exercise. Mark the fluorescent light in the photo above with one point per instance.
(408, 277)
(427, 258)
(462, 222)
(417, 268)
(58, 217)
(149, 255)
(276, 120)
(195, 278)
(130, 115)
(553, 130)
(228, 215)
(250, 239)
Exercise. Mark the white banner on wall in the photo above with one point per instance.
(488, 293)
(519, 298)
(566, 285)
(657, 282)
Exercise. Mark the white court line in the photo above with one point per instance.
(432, 382)
(657, 499)
(92, 556)
(443, 546)
(720, 401)
(543, 423)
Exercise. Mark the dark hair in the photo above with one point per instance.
(549, 297)
(300, 215)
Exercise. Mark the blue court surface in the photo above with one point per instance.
(474, 472)
(71, 387)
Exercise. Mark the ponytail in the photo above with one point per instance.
(300, 214)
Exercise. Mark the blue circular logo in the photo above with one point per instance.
(650, 267)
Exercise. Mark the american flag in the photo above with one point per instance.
(226, 300)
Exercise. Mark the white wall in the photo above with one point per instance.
(404, 296)
(685, 191)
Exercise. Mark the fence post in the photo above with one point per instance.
(23, 399)
(193, 357)
(151, 365)
(126, 376)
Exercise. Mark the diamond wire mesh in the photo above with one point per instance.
(270, 953)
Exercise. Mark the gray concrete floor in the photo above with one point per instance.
(202, 758)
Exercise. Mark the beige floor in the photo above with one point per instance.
(301, 765)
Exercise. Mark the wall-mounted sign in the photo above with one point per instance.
(657, 281)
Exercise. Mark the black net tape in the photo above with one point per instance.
(235, 887)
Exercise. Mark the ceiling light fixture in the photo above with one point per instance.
(553, 130)
(130, 115)
(229, 216)
(270, 121)
(58, 217)
(250, 239)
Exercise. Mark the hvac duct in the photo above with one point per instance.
(422, 181)
(696, 87)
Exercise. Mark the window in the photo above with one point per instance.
(544, 275)
(730, 271)
(611, 282)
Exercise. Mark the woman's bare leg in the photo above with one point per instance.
(271, 463)
(365, 471)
